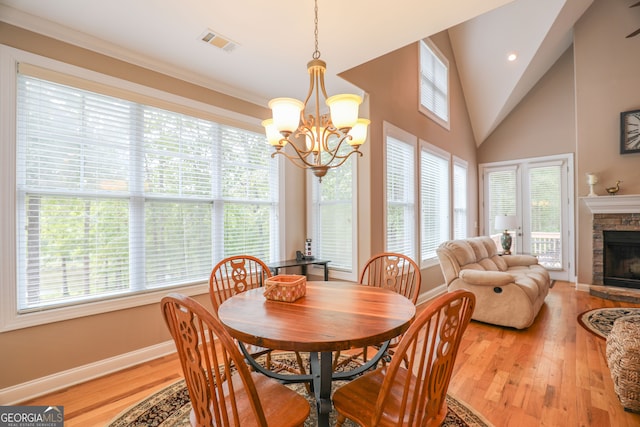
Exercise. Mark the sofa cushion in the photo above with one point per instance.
(479, 249)
(491, 278)
(462, 252)
(529, 286)
(488, 264)
(500, 262)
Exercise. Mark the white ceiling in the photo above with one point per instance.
(275, 40)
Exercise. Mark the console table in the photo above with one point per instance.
(302, 263)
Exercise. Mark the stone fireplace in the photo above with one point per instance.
(616, 219)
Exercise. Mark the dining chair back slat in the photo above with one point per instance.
(234, 275)
(393, 271)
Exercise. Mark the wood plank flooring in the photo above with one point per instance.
(552, 374)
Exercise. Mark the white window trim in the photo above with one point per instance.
(9, 59)
(424, 110)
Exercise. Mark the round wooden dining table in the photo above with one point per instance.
(331, 316)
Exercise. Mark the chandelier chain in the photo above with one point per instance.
(316, 53)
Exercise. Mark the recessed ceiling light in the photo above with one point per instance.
(512, 56)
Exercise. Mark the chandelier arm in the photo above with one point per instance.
(301, 156)
(312, 85)
(297, 161)
(303, 164)
(334, 153)
(344, 158)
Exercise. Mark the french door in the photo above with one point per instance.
(538, 192)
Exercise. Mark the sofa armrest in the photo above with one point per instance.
(520, 260)
(489, 278)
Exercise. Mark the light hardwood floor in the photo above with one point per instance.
(551, 374)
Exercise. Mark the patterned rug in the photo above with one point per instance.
(170, 407)
(599, 321)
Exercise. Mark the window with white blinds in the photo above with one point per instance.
(501, 187)
(116, 197)
(333, 217)
(459, 199)
(400, 196)
(434, 200)
(545, 214)
(434, 83)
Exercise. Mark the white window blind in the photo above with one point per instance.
(116, 197)
(434, 194)
(459, 199)
(400, 192)
(434, 82)
(332, 215)
(545, 201)
(502, 196)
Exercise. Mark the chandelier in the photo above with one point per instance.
(328, 140)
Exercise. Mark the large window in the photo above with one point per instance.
(116, 197)
(423, 187)
(333, 218)
(400, 191)
(434, 198)
(434, 83)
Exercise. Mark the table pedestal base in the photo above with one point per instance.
(320, 377)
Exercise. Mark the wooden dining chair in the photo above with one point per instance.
(236, 274)
(393, 271)
(240, 273)
(222, 390)
(411, 390)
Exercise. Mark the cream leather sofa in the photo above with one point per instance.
(509, 289)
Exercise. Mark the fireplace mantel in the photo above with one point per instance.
(613, 204)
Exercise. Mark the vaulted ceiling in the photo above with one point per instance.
(272, 41)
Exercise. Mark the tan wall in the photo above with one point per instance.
(607, 70)
(391, 82)
(34, 352)
(542, 124)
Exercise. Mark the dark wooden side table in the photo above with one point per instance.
(302, 263)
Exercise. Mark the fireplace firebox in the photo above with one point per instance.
(621, 259)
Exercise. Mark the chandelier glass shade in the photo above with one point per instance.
(319, 140)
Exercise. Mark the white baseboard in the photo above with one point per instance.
(41, 386)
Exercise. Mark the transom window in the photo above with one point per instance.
(434, 83)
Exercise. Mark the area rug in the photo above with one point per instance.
(170, 407)
(599, 321)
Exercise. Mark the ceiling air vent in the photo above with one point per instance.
(218, 40)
